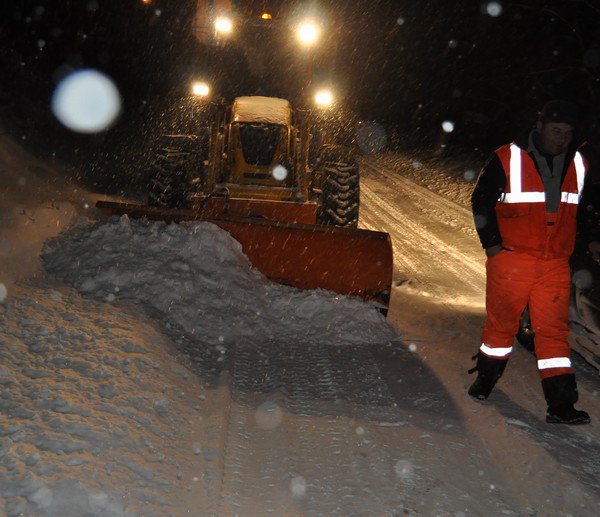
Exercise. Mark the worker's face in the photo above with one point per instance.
(555, 137)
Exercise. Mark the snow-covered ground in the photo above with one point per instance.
(146, 369)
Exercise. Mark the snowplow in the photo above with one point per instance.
(249, 173)
(276, 178)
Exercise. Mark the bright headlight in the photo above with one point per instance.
(223, 25)
(308, 33)
(324, 98)
(200, 89)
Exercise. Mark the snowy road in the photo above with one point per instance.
(379, 429)
(143, 383)
(435, 249)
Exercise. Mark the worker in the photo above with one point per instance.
(525, 207)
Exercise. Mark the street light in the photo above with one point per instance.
(308, 33)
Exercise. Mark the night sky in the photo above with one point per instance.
(486, 66)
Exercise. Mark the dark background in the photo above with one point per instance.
(410, 65)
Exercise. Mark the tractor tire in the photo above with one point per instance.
(340, 187)
(178, 165)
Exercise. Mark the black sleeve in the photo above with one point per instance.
(490, 185)
(589, 209)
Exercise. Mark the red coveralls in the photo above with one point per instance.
(534, 266)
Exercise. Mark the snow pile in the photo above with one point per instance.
(196, 277)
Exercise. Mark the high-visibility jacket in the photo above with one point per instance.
(521, 209)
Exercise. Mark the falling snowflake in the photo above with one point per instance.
(469, 175)
(268, 416)
(583, 279)
(480, 221)
(279, 172)
(493, 8)
(448, 126)
(298, 487)
(404, 470)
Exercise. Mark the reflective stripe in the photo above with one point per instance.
(495, 352)
(523, 197)
(580, 169)
(569, 197)
(556, 362)
(516, 194)
(515, 169)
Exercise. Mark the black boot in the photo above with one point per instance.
(561, 394)
(489, 370)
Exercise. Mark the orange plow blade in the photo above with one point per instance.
(344, 260)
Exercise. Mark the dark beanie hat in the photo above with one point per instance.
(560, 111)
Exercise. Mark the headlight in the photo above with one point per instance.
(223, 25)
(308, 33)
(200, 89)
(324, 98)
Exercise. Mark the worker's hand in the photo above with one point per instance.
(493, 251)
(594, 248)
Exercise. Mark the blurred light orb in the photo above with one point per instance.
(591, 58)
(480, 221)
(201, 89)
(268, 416)
(400, 21)
(308, 33)
(324, 98)
(453, 43)
(493, 8)
(223, 25)
(3, 292)
(279, 172)
(583, 279)
(371, 137)
(298, 487)
(470, 175)
(404, 470)
(86, 101)
(448, 126)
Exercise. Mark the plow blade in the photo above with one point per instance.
(344, 260)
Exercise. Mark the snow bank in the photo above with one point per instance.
(195, 276)
(84, 426)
